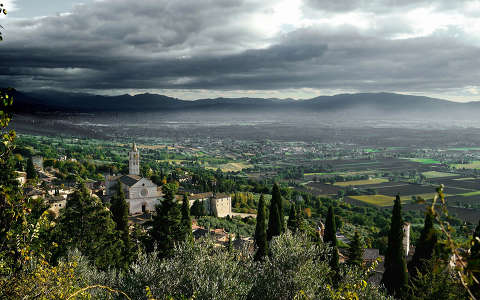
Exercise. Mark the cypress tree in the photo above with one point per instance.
(198, 209)
(275, 219)
(119, 209)
(281, 213)
(300, 219)
(331, 237)
(31, 172)
(260, 230)
(292, 223)
(230, 244)
(424, 247)
(166, 224)
(186, 220)
(355, 252)
(334, 262)
(87, 225)
(395, 275)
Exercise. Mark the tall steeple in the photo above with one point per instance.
(134, 161)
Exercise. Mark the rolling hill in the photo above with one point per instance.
(363, 103)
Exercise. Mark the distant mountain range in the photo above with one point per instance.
(389, 103)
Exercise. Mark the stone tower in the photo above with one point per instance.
(134, 161)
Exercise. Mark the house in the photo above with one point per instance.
(218, 205)
(21, 178)
(37, 162)
(370, 255)
(57, 203)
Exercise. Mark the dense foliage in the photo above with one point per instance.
(166, 226)
(474, 261)
(87, 224)
(296, 268)
(355, 252)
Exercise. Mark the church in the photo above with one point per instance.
(140, 193)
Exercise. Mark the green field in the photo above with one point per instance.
(317, 174)
(378, 200)
(472, 165)
(427, 161)
(267, 197)
(349, 173)
(231, 167)
(476, 193)
(383, 200)
(361, 182)
(435, 174)
(465, 149)
(359, 163)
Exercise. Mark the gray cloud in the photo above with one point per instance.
(381, 6)
(208, 45)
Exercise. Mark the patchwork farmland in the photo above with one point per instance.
(379, 187)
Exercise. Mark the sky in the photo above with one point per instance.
(194, 49)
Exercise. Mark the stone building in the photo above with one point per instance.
(221, 205)
(141, 193)
(38, 162)
(218, 205)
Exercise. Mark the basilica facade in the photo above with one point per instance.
(140, 193)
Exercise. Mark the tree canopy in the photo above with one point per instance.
(167, 222)
(86, 224)
(355, 252)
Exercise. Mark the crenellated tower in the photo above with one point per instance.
(134, 161)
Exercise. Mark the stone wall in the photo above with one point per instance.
(221, 206)
(141, 205)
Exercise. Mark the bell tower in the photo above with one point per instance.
(134, 161)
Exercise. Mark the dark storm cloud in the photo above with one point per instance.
(211, 45)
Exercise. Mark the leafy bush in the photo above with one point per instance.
(297, 268)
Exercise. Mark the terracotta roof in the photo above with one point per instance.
(220, 196)
(198, 233)
(200, 196)
(129, 179)
(370, 254)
